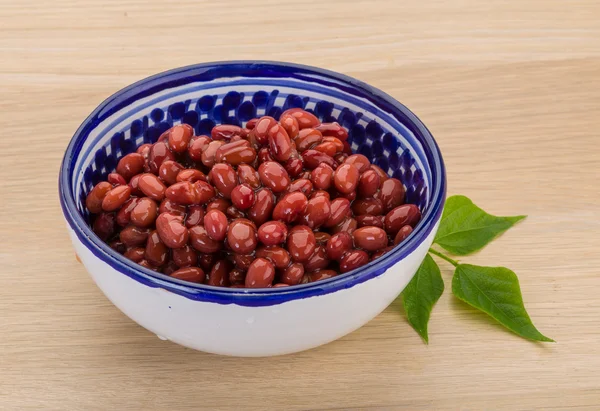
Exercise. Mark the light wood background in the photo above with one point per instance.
(510, 89)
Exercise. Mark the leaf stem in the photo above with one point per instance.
(443, 256)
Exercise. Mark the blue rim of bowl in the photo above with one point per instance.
(241, 296)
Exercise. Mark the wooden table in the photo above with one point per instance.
(510, 90)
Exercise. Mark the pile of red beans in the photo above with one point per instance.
(277, 203)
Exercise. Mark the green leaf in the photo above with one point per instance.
(496, 292)
(421, 293)
(466, 228)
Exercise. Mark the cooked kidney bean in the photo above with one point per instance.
(191, 274)
(185, 256)
(352, 260)
(200, 240)
(156, 251)
(407, 214)
(130, 165)
(345, 178)
(115, 198)
(391, 193)
(219, 275)
(301, 243)
(315, 214)
(370, 206)
(93, 201)
(402, 234)
(272, 233)
(370, 238)
(261, 274)
(340, 208)
(152, 187)
(144, 212)
(116, 179)
(273, 176)
(215, 223)
(242, 196)
(290, 207)
(241, 236)
(333, 130)
(338, 244)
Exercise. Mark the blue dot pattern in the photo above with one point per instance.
(379, 145)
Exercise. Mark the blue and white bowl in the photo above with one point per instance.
(251, 322)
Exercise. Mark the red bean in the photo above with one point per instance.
(252, 123)
(293, 274)
(327, 148)
(391, 194)
(215, 222)
(116, 179)
(407, 214)
(168, 206)
(130, 165)
(359, 161)
(248, 175)
(204, 192)
(294, 166)
(243, 261)
(317, 212)
(402, 234)
(338, 245)
(191, 274)
(308, 138)
(272, 233)
(348, 225)
(179, 137)
(144, 212)
(263, 206)
(333, 130)
(381, 252)
(146, 264)
(321, 275)
(104, 226)
(221, 204)
(93, 201)
(322, 177)
(278, 255)
(260, 274)
(340, 208)
(352, 260)
(340, 157)
(195, 215)
(368, 220)
(233, 213)
(152, 187)
(182, 193)
(304, 118)
(169, 170)
(173, 233)
(206, 261)
(185, 256)
(264, 155)
(115, 198)
(290, 207)
(118, 246)
(135, 254)
(225, 132)
(199, 146)
(200, 240)
(368, 183)
(190, 174)
(339, 146)
(261, 130)
(274, 176)
(241, 236)
(134, 184)
(313, 158)
(209, 154)
(223, 177)
(370, 206)
(370, 238)
(301, 243)
(345, 178)
(242, 196)
(133, 236)
(302, 184)
(280, 144)
(382, 174)
(322, 237)
(237, 276)
(235, 153)
(320, 193)
(156, 251)
(159, 152)
(219, 275)
(290, 124)
(318, 260)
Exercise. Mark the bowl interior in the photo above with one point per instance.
(233, 93)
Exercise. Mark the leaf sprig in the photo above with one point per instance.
(464, 229)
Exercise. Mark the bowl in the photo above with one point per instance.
(251, 322)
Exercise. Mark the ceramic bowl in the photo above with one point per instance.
(251, 322)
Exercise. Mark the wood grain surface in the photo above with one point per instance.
(510, 90)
